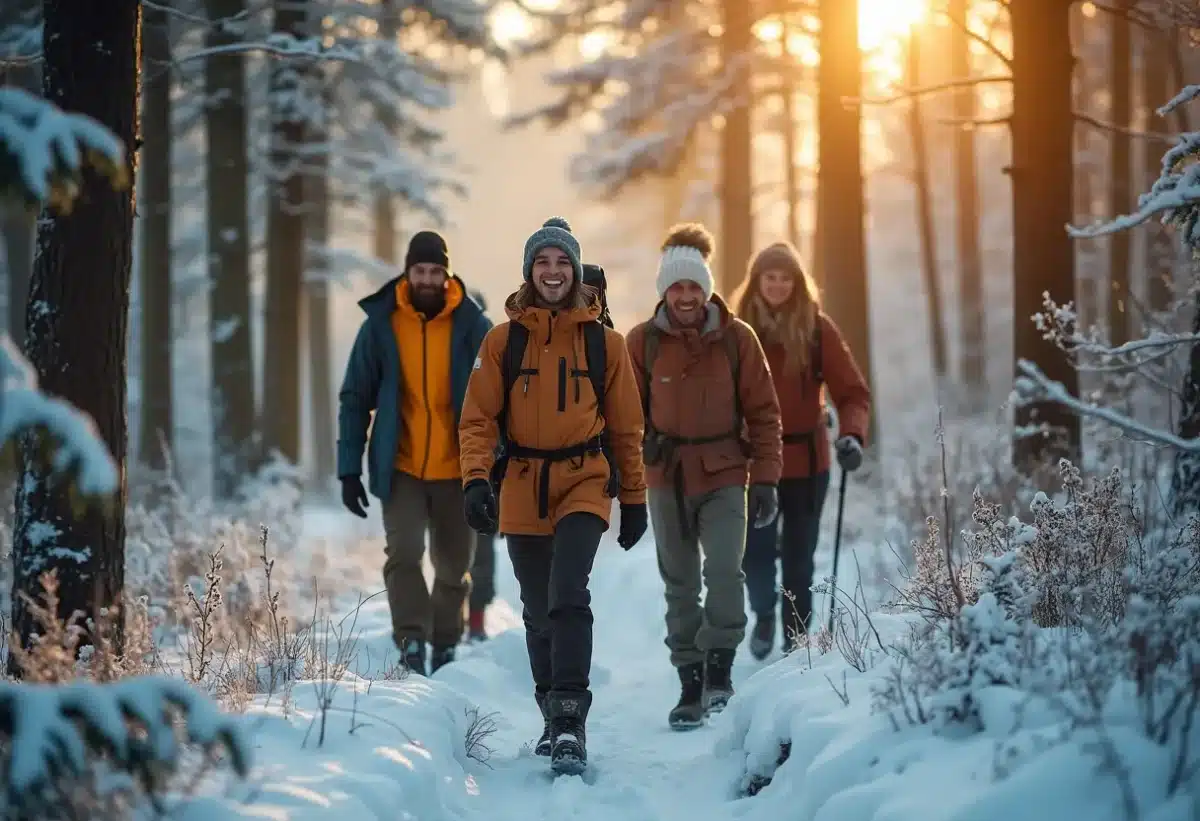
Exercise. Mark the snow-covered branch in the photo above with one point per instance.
(43, 151)
(1035, 385)
(79, 448)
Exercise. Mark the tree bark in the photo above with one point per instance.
(1043, 257)
(1120, 171)
(78, 317)
(842, 239)
(973, 364)
(320, 386)
(736, 176)
(925, 222)
(154, 275)
(17, 227)
(384, 208)
(1161, 250)
(790, 126)
(1185, 478)
(228, 170)
(1093, 277)
(285, 248)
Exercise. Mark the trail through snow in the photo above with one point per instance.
(639, 770)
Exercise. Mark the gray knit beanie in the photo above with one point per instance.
(554, 233)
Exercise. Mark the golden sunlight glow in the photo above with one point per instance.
(592, 44)
(881, 21)
(509, 25)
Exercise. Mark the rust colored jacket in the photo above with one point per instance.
(692, 396)
(800, 401)
(553, 408)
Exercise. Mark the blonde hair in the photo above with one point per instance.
(793, 324)
(582, 297)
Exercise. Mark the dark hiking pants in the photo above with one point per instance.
(553, 573)
(483, 572)
(792, 541)
(414, 507)
(706, 558)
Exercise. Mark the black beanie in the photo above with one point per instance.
(427, 246)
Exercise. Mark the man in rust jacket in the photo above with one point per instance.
(712, 431)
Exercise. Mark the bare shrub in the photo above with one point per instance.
(480, 727)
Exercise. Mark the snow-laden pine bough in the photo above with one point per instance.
(72, 750)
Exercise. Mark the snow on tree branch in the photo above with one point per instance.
(57, 732)
(1034, 384)
(79, 448)
(43, 151)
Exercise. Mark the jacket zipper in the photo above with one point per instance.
(425, 392)
(562, 384)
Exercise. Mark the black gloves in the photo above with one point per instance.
(633, 525)
(479, 506)
(354, 496)
(763, 505)
(849, 453)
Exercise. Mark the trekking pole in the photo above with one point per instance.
(837, 549)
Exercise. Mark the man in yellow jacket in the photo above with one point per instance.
(409, 368)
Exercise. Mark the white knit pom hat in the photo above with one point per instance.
(680, 263)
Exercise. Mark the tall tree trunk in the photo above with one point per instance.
(840, 180)
(285, 248)
(925, 224)
(1120, 171)
(155, 259)
(77, 330)
(1185, 478)
(384, 209)
(735, 186)
(229, 255)
(789, 126)
(1160, 248)
(966, 224)
(1093, 278)
(320, 385)
(1043, 258)
(18, 227)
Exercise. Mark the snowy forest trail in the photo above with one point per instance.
(639, 768)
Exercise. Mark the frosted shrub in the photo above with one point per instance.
(1077, 556)
(101, 752)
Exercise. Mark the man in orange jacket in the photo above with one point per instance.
(409, 367)
(571, 429)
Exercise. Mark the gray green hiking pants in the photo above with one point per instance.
(414, 508)
(708, 555)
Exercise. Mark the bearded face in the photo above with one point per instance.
(427, 287)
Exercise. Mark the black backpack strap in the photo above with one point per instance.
(510, 367)
(595, 349)
(734, 354)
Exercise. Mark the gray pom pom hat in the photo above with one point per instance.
(554, 233)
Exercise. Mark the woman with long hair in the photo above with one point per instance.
(807, 355)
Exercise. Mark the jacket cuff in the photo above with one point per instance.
(632, 497)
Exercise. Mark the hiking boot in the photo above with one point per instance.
(475, 630)
(412, 656)
(568, 736)
(718, 680)
(762, 638)
(688, 714)
(440, 657)
(543, 743)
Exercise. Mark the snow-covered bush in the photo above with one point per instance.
(120, 750)
(1081, 619)
(44, 150)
